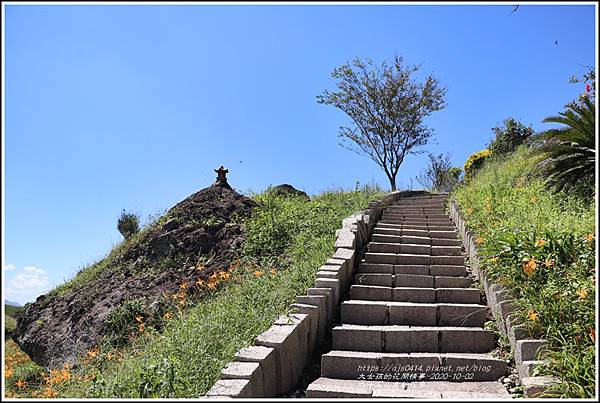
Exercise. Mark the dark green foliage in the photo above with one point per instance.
(569, 153)
(509, 136)
(387, 108)
(128, 224)
(440, 175)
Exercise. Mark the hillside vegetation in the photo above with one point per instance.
(540, 245)
(287, 239)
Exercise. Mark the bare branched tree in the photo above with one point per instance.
(387, 108)
(439, 175)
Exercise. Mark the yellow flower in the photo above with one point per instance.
(167, 316)
(200, 267)
(212, 286)
(540, 242)
(20, 383)
(224, 275)
(589, 237)
(479, 241)
(200, 282)
(109, 356)
(258, 273)
(139, 318)
(8, 372)
(530, 266)
(469, 211)
(494, 259)
(533, 200)
(582, 293)
(532, 315)
(183, 286)
(548, 263)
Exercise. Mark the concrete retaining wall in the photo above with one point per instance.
(501, 303)
(273, 366)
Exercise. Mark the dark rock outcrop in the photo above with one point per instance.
(59, 326)
(288, 190)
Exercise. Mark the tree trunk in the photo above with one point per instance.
(392, 182)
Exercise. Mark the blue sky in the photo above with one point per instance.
(132, 107)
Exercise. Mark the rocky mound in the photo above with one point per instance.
(195, 238)
(288, 190)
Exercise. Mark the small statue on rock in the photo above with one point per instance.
(222, 177)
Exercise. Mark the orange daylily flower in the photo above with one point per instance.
(212, 286)
(540, 242)
(530, 266)
(224, 275)
(258, 273)
(167, 316)
(589, 237)
(139, 318)
(183, 286)
(469, 211)
(200, 282)
(20, 383)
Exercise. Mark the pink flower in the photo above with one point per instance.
(588, 87)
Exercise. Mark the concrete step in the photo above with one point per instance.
(451, 367)
(416, 220)
(385, 292)
(416, 215)
(412, 339)
(413, 259)
(393, 387)
(418, 227)
(359, 312)
(415, 240)
(424, 270)
(415, 249)
(433, 234)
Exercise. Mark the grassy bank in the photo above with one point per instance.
(541, 246)
(288, 239)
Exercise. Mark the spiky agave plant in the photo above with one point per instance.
(568, 154)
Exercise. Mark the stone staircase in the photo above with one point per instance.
(412, 326)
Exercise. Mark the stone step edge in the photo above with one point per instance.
(344, 388)
(453, 367)
(395, 338)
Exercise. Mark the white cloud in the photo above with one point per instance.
(26, 284)
(8, 267)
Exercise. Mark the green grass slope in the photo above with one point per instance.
(541, 246)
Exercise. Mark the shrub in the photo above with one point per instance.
(128, 224)
(509, 136)
(475, 162)
(439, 175)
